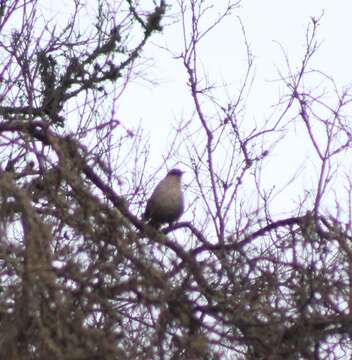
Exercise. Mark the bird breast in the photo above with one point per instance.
(167, 199)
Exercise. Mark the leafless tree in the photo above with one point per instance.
(83, 277)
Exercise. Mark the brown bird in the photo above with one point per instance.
(166, 204)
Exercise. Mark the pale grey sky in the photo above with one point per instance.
(266, 22)
(222, 54)
(223, 58)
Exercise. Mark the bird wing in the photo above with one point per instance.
(146, 214)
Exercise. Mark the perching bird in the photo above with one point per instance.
(166, 204)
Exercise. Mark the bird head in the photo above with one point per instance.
(175, 172)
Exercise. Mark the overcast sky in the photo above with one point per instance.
(266, 23)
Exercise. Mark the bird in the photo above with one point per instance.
(166, 203)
